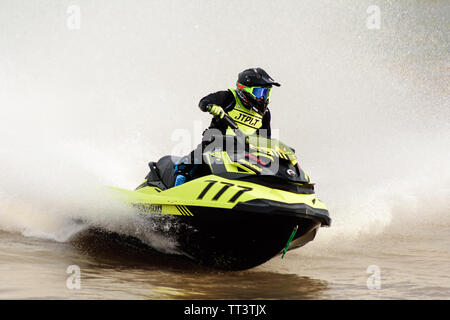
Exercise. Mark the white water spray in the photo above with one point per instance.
(80, 108)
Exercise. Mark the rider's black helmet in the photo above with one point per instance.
(253, 89)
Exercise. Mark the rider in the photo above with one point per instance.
(246, 105)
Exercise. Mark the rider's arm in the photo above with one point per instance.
(220, 98)
(265, 125)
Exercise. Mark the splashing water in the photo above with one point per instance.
(367, 110)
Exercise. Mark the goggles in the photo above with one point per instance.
(257, 92)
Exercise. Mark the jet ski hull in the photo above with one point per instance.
(241, 240)
(238, 239)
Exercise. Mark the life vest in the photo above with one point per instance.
(248, 121)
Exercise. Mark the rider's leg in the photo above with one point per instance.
(187, 167)
(181, 170)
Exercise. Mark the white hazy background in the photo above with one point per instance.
(88, 100)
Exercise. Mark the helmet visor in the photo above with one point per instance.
(259, 93)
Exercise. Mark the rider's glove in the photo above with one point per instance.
(216, 111)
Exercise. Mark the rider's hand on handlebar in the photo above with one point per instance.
(216, 111)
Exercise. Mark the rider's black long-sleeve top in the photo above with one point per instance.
(226, 100)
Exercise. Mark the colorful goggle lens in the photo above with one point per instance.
(259, 92)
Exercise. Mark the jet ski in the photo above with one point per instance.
(252, 202)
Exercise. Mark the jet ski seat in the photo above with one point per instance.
(161, 173)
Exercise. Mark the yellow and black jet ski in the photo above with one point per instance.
(252, 203)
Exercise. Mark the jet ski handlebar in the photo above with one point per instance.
(227, 119)
(230, 122)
